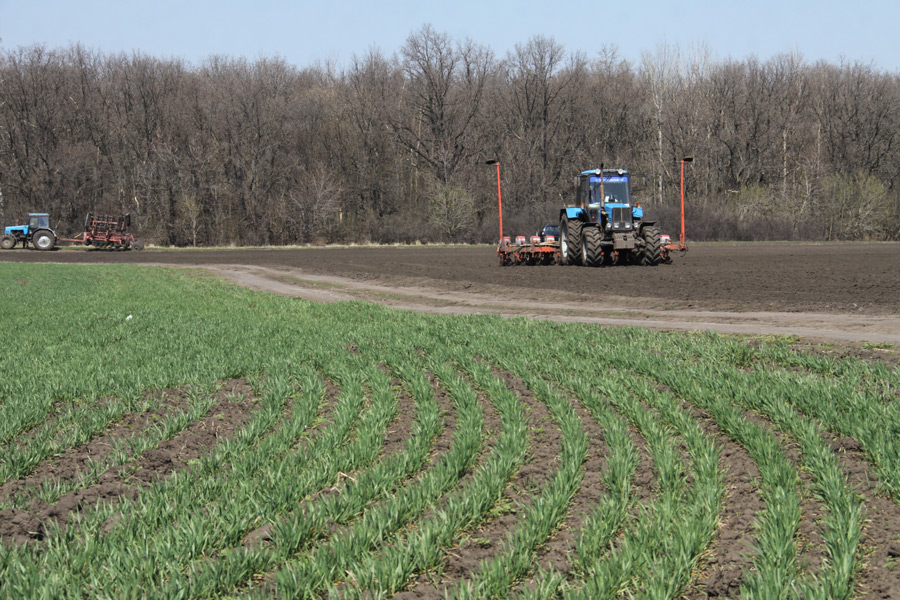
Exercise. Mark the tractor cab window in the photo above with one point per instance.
(615, 190)
(39, 222)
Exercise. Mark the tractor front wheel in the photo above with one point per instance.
(7, 242)
(650, 253)
(591, 251)
(43, 240)
(570, 241)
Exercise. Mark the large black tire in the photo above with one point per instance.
(7, 242)
(591, 251)
(570, 242)
(43, 239)
(650, 253)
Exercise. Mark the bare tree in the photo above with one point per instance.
(660, 70)
(393, 149)
(440, 99)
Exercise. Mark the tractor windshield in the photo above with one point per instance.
(39, 221)
(614, 188)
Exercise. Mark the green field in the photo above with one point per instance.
(373, 447)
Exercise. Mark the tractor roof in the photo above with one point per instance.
(606, 172)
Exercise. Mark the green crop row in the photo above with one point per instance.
(421, 548)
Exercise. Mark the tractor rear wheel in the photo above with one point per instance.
(570, 241)
(650, 253)
(43, 240)
(7, 242)
(591, 251)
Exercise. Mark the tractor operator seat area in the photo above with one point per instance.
(38, 221)
(615, 191)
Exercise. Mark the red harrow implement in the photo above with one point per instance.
(107, 231)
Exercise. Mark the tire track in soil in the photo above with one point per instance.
(492, 427)
(557, 550)
(463, 560)
(729, 556)
(223, 420)
(72, 463)
(444, 440)
(459, 297)
(879, 544)
(644, 486)
(400, 429)
(448, 416)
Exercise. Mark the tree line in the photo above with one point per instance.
(393, 148)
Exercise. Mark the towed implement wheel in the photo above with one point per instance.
(44, 240)
(591, 251)
(7, 242)
(651, 252)
(570, 242)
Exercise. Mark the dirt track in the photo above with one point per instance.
(847, 292)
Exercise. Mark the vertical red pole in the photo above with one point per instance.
(682, 206)
(499, 201)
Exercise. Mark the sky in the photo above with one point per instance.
(334, 31)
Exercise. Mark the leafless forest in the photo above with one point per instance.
(393, 148)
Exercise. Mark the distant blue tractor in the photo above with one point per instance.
(603, 227)
(38, 232)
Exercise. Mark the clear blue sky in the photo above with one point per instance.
(303, 32)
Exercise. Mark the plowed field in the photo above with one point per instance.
(848, 292)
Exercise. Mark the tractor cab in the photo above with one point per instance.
(605, 197)
(613, 187)
(38, 221)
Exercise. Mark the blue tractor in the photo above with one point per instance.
(38, 232)
(604, 227)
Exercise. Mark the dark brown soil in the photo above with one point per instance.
(851, 277)
(556, 552)
(262, 534)
(125, 482)
(731, 551)
(398, 433)
(72, 463)
(848, 292)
